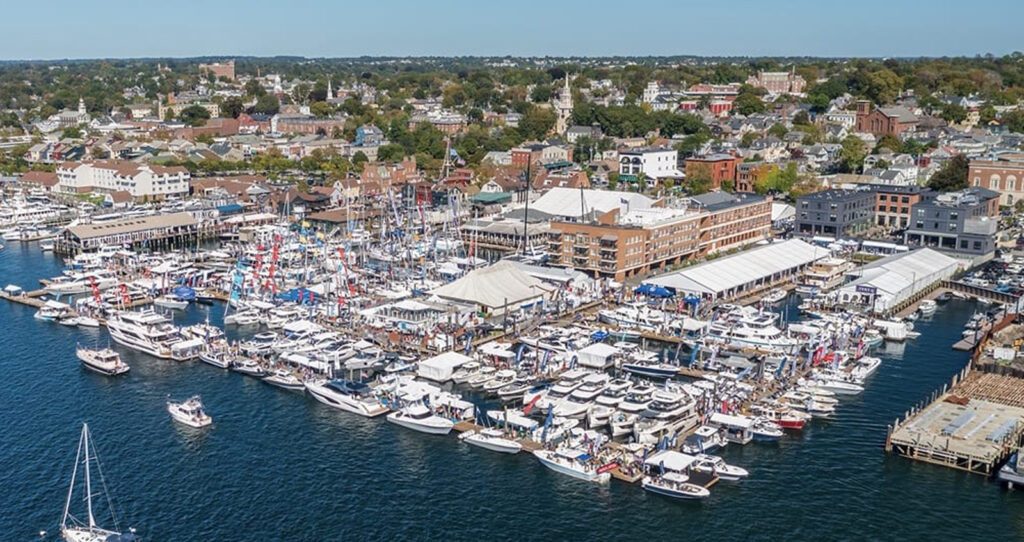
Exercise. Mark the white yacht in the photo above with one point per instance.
(81, 283)
(190, 413)
(145, 331)
(573, 462)
(283, 378)
(718, 467)
(491, 439)
(104, 361)
(675, 485)
(606, 404)
(501, 379)
(635, 402)
(170, 302)
(220, 359)
(248, 367)
(579, 401)
(73, 529)
(566, 384)
(927, 307)
(53, 311)
(748, 327)
(347, 395)
(667, 414)
(419, 417)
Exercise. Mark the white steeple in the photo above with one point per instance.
(81, 106)
(563, 108)
(330, 94)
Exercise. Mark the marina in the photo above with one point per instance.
(617, 458)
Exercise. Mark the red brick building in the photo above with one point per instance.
(884, 120)
(1004, 174)
(722, 167)
(748, 173)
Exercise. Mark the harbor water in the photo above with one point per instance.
(278, 466)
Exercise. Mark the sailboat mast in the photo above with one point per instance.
(88, 483)
(71, 488)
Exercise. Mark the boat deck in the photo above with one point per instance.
(972, 427)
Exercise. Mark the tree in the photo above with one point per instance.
(267, 105)
(320, 109)
(74, 132)
(854, 150)
(778, 130)
(891, 142)
(699, 180)
(987, 114)
(1014, 121)
(952, 176)
(359, 159)
(204, 138)
(953, 113)
(613, 180)
(254, 89)
(300, 93)
(801, 117)
(1019, 206)
(536, 123)
(194, 115)
(540, 94)
(747, 103)
(232, 107)
(748, 139)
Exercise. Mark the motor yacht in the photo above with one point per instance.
(170, 302)
(573, 462)
(579, 401)
(635, 402)
(667, 414)
(675, 485)
(494, 440)
(145, 331)
(348, 395)
(190, 413)
(220, 359)
(718, 467)
(419, 417)
(285, 379)
(608, 402)
(248, 367)
(104, 361)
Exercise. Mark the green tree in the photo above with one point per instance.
(267, 105)
(953, 113)
(232, 107)
(987, 114)
(1019, 206)
(320, 109)
(952, 176)
(778, 130)
(74, 132)
(204, 138)
(194, 115)
(801, 117)
(748, 139)
(1014, 121)
(613, 180)
(536, 122)
(699, 180)
(853, 152)
(891, 142)
(254, 89)
(540, 94)
(359, 159)
(747, 103)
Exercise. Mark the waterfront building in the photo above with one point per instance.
(884, 284)
(731, 220)
(964, 222)
(834, 213)
(167, 231)
(142, 181)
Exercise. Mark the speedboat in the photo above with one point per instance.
(718, 467)
(651, 369)
(573, 462)
(675, 485)
(419, 417)
(872, 337)
(104, 361)
(482, 376)
(465, 372)
(927, 307)
(218, 358)
(170, 302)
(347, 395)
(765, 430)
(248, 317)
(491, 439)
(248, 367)
(667, 414)
(775, 296)
(283, 378)
(190, 413)
(515, 389)
(704, 439)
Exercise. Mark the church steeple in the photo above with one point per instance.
(81, 106)
(330, 94)
(563, 108)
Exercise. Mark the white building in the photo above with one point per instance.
(654, 162)
(139, 180)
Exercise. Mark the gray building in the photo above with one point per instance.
(835, 213)
(964, 222)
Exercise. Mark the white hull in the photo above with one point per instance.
(432, 426)
(343, 402)
(588, 475)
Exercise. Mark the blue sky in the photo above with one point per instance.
(122, 28)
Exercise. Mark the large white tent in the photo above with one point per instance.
(495, 287)
(884, 284)
(570, 203)
(733, 275)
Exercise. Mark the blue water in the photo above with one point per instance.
(279, 466)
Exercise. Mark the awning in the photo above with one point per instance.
(609, 237)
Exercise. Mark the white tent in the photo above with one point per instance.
(597, 355)
(884, 284)
(493, 287)
(671, 460)
(733, 275)
(440, 367)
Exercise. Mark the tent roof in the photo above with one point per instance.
(896, 273)
(447, 360)
(493, 286)
(675, 461)
(723, 274)
(599, 349)
(565, 202)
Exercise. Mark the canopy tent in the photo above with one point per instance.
(653, 291)
(184, 293)
(494, 287)
(884, 284)
(597, 355)
(670, 460)
(732, 275)
(440, 367)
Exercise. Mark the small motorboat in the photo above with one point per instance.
(283, 378)
(218, 358)
(248, 367)
(491, 439)
(104, 361)
(944, 297)
(775, 296)
(765, 430)
(573, 462)
(170, 302)
(675, 485)
(927, 307)
(190, 413)
(88, 321)
(419, 417)
(718, 467)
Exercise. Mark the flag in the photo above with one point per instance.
(529, 406)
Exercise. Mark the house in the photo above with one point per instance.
(46, 180)
(142, 181)
(368, 135)
(654, 163)
(546, 180)
(575, 132)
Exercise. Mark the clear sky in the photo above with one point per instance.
(339, 28)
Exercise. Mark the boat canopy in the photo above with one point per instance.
(671, 460)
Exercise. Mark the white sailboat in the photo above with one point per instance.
(73, 529)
